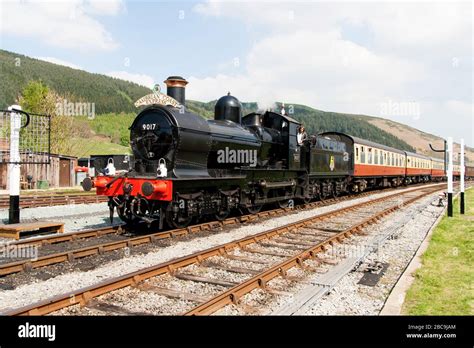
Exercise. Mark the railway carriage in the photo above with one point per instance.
(373, 165)
(437, 169)
(469, 172)
(456, 171)
(418, 168)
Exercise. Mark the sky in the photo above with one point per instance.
(411, 62)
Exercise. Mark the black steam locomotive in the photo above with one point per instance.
(186, 167)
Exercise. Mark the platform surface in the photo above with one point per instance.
(30, 228)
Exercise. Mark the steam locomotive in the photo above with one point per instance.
(186, 167)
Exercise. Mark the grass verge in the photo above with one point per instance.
(444, 285)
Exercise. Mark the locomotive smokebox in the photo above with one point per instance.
(175, 88)
(228, 108)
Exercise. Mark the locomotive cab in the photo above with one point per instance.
(284, 130)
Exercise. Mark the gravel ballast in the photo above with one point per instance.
(350, 298)
(39, 290)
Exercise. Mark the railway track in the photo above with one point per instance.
(207, 281)
(47, 201)
(99, 241)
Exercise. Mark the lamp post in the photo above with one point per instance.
(450, 176)
(462, 176)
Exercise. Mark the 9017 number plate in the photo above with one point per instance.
(149, 126)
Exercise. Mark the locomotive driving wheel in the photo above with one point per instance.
(222, 215)
(322, 194)
(285, 203)
(177, 220)
(126, 215)
(251, 209)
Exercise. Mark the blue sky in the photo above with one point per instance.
(156, 38)
(410, 62)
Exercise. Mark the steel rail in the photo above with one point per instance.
(260, 280)
(82, 296)
(101, 248)
(32, 202)
(57, 238)
(65, 237)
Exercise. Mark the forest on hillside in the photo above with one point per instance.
(317, 121)
(109, 94)
(115, 111)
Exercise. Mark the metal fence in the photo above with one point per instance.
(34, 142)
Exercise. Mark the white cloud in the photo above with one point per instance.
(60, 62)
(317, 69)
(141, 79)
(312, 53)
(105, 7)
(66, 24)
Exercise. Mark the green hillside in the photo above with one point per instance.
(115, 111)
(317, 121)
(109, 94)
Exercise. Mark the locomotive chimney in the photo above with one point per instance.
(175, 87)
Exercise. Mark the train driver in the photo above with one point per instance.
(301, 136)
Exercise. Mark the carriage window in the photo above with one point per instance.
(357, 153)
(376, 156)
(370, 156)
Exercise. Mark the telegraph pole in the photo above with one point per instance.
(14, 165)
(462, 176)
(450, 176)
